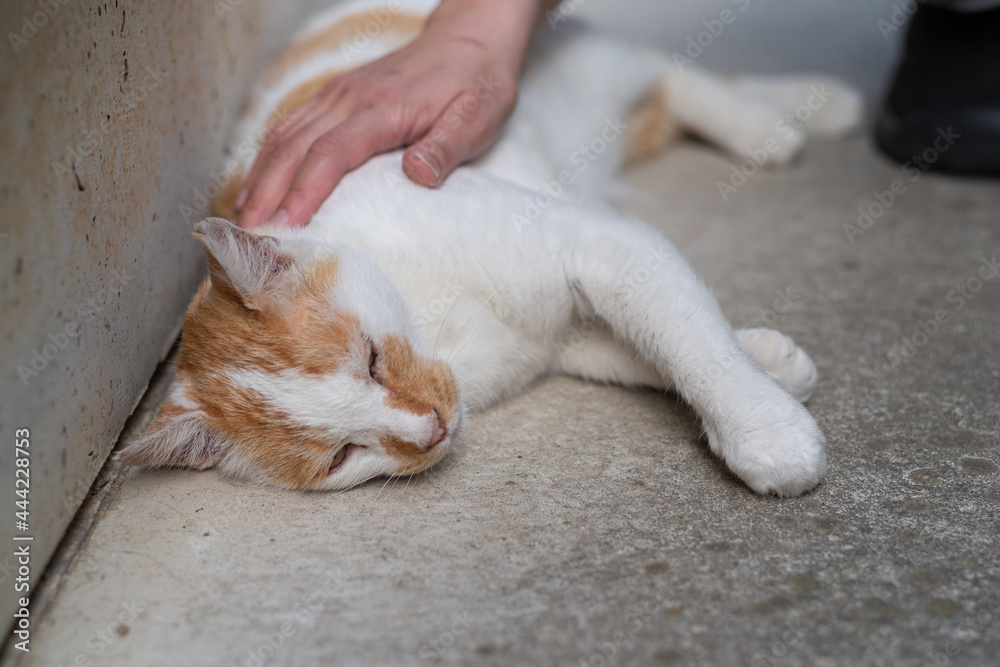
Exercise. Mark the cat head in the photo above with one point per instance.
(299, 367)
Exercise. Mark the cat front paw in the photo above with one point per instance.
(780, 451)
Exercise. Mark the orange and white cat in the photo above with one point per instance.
(320, 357)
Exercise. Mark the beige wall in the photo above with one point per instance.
(114, 114)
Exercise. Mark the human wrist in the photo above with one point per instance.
(502, 28)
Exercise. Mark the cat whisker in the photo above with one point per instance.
(467, 379)
(394, 483)
(437, 339)
(348, 488)
(380, 492)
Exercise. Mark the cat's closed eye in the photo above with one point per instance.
(372, 359)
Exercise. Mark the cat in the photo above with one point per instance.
(354, 347)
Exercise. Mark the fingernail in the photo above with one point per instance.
(430, 163)
(279, 219)
(241, 198)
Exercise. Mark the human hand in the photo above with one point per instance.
(446, 95)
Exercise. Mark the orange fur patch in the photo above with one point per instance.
(416, 384)
(297, 333)
(224, 205)
(650, 126)
(289, 454)
(300, 95)
(404, 25)
(412, 460)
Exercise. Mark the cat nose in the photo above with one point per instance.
(439, 432)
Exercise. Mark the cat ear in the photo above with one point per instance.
(178, 436)
(249, 266)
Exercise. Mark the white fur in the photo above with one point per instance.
(506, 279)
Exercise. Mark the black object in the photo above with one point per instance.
(943, 108)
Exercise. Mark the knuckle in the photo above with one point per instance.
(285, 153)
(382, 96)
(329, 145)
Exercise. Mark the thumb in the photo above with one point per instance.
(455, 137)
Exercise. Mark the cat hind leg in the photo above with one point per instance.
(822, 106)
(590, 351)
(782, 359)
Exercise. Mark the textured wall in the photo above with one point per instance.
(114, 116)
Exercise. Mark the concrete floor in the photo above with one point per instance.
(587, 525)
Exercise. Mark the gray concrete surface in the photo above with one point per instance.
(587, 525)
(114, 117)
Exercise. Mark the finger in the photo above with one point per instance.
(461, 133)
(283, 129)
(334, 154)
(313, 109)
(277, 169)
(301, 118)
